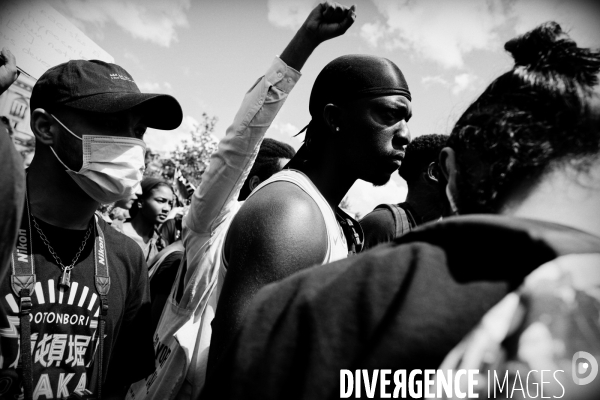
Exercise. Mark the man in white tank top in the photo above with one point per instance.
(184, 329)
(360, 106)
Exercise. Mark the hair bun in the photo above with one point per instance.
(547, 49)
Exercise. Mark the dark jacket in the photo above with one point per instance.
(402, 305)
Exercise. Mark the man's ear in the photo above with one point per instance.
(254, 182)
(42, 126)
(433, 172)
(447, 163)
(449, 168)
(450, 171)
(332, 115)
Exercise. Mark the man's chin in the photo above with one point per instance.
(380, 180)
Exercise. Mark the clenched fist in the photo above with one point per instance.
(328, 20)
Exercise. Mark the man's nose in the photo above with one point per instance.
(401, 135)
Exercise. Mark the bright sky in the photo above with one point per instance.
(207, 54)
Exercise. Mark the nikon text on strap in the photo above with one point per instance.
(102, 286)
(23, 285)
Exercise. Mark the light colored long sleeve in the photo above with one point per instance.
(215, 200)
(183, 332)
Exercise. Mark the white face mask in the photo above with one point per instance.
(112, 166)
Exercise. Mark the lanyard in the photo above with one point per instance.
(23, 284)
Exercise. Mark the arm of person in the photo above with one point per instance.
(230, 164)
(235, 156)
(262, 250)
(215, 200)
(8, 69)
(12, 195)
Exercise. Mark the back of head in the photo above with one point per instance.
(267, 163)
(422, 151)
(351, 77)
(528, 121)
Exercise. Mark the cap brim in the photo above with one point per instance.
(160, 111)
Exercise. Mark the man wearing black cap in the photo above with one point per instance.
(75, 311)
(360, 106)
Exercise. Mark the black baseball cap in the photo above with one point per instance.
(102, 87)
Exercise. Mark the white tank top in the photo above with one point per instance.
(337, 247)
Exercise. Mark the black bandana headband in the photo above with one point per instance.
(355, 76)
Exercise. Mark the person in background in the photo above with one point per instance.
(88, 118)
(527, 154)
(425, 200)
(539, 160)
(184, 329)
(118, 216)
(12, 179)
(149, 211)
(272, 157)
(171, 229)
(115, 215)
(127, 202)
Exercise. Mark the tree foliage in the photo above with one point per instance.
(192, 158)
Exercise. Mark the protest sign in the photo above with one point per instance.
(40, 37)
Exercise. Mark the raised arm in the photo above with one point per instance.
(261, 250)
(12, 195)
(233, 160)
(216, 197)
(326, 21)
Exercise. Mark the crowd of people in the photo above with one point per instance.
(262, 287)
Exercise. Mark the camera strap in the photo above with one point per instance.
(23, 285)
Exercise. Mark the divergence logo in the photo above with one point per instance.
(465, 383)
(584, 368)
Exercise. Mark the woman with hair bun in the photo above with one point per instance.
(148, 212)
(528, 151)
(531, 126)
(535, 134)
